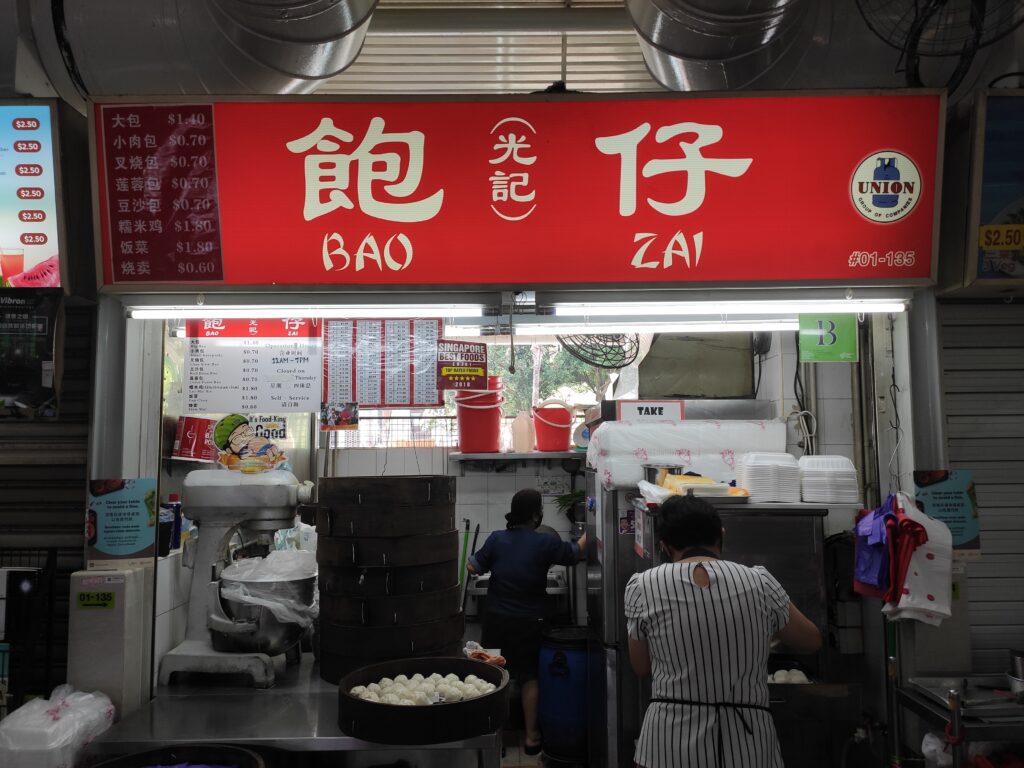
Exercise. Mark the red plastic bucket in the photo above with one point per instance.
(479, 417)
(552, 423)
(193, 440)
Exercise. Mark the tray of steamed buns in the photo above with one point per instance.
(423, 700)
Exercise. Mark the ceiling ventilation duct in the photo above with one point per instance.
(698, 45)
(150, 47)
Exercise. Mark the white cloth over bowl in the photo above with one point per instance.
(619, 449)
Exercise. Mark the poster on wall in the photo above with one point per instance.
(120, 526)
(1001, 224)
(381, 363)
(834, 188)
(461, 365)
(28, 357)
(267, 365)
(949, 496)
(29, 247)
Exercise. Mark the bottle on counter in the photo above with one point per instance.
(522, 433)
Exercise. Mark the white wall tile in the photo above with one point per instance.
(833, 380)
(471, 489)
(357, 462)
(475, 513)
(528, 468)
(182, 584)
(391, 462)
(501, 485)
(837, 449)
(835, 421)
(553, 517)
(496, 515)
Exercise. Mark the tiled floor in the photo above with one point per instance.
(514, 756)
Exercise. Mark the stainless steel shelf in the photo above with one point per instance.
(300, 714)
(532, 456)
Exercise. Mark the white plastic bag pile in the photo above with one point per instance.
(769, 477)
(828, 480)
(51, 733)
(241, 581)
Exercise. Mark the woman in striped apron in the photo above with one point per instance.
(702, 627)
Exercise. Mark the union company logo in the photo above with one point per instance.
(885, 187)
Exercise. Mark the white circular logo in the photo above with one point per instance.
(885, 187)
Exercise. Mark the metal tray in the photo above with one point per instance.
(973, 689)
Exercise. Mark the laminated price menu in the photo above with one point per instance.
(159, 185)
(253, 365)
(29, 251)
(382, 363)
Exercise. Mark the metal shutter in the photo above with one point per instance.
(983, 392)
(43, 463)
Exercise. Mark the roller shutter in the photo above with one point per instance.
(983, 390)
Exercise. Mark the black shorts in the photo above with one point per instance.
(519, 638)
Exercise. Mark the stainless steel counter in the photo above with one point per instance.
(300, 713)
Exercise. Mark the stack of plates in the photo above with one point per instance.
(829, 480)
(770, 477)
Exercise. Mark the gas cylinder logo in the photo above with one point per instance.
(885, 187)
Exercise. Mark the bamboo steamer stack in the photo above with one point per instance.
(388, 555)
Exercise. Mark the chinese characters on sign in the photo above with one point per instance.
(161, 187)
(381, 363)
(120, 523)
(270, 365)
(694, 189)
(512, 195)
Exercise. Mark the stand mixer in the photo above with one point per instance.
(222, 503)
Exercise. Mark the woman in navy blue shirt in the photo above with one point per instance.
(518, 560)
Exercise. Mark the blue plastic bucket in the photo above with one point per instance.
(562, 679)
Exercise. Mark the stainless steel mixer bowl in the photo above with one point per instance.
(271, 637)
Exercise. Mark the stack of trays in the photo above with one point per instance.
(829, 480)
(769, 477)
(388, 555)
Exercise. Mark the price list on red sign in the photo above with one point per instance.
(160, 183)
(382, 363)
(29, 256)
(253, 365)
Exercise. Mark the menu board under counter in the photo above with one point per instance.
(29, 247)
(269, 365)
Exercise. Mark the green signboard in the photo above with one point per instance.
(828, 339)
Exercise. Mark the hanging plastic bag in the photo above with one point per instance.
(51, 733)
(301, 537)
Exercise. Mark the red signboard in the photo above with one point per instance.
(672, 190)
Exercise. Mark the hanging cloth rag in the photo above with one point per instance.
(927, 590)
(874, 550)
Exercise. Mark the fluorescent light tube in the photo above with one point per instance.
(234, 312)
(731, 308)
(568, 329)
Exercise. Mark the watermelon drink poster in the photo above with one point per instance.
(28, 198)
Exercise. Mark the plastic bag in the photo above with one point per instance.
(654, 494)
(278, 565)
(51, 733)
(302, 537)
(940, 755)
(285, 609)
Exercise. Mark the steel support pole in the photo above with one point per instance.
(930, 451)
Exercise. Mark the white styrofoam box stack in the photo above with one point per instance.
(828, 480)
(108, 649)
(619, 449)
(769, 477)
